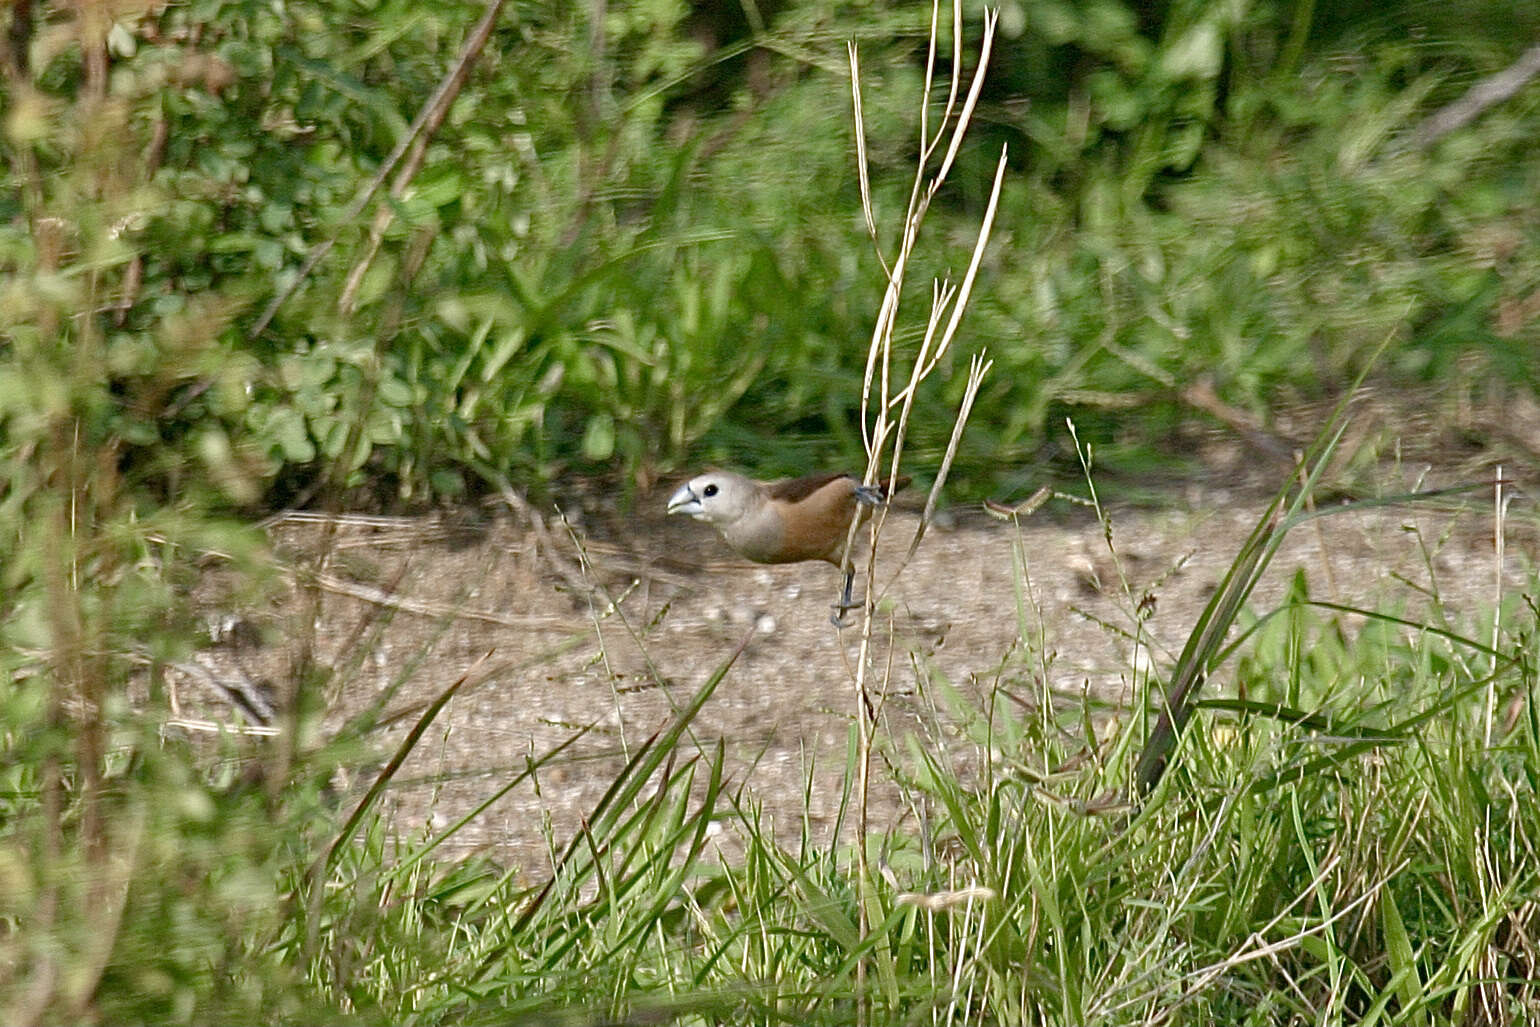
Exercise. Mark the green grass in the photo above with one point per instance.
(1358, 853)
(1345, 831)
(631, 248)
(1365, 857)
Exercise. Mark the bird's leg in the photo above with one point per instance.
(845, 605)
(866, 495)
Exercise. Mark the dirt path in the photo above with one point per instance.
(1045, 610)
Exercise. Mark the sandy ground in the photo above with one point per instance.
(611, 636)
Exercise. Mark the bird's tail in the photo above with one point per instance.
(872, 495)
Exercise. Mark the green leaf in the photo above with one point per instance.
(1402, 958)
(599, 439)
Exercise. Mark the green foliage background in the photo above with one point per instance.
(634, 244)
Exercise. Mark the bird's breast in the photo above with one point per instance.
(759, 536)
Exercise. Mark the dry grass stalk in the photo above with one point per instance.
(885, 422)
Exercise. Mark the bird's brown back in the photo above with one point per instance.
(792, 490)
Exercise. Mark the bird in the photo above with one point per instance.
(785, 521)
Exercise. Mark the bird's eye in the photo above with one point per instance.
(709, 491)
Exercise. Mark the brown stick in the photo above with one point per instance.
(1490, 91)
(427, 122)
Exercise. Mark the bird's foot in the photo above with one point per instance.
(837, 618)
(869, 495)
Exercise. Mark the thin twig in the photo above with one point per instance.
(1489, 92)
(569, 573)
(1499, 525)
(425, 608)
(432, 113)
(862, 170)
(882, 430)
(978, 367)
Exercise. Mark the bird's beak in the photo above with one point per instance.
(684, 501)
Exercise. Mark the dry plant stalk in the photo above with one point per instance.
(885, 415)
(1500, 501)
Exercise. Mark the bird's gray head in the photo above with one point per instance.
(718, 497)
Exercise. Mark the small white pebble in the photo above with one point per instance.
(765, 624)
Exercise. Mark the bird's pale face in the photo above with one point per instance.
(716, 497)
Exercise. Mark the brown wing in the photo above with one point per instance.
(793, 490)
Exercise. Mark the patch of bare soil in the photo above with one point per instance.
(1048, 609)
